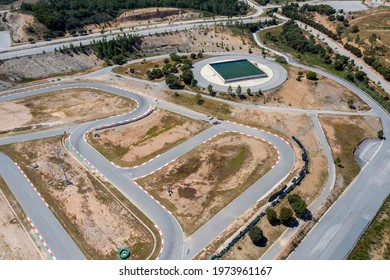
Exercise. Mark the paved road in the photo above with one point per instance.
(51, 230)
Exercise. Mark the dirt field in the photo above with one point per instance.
(60, 108)
(138, 142)
(290, 124)
(323, 94)
(344, 134)
(209, 177)
(98, 222)
(15, 242)
(146, 17)
(210, 39)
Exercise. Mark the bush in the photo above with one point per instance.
(173, 82)
(298, 204)
(286, 216)
(272, 216)
(311, 76)
(256, 235)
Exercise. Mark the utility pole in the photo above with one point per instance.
(57, 151)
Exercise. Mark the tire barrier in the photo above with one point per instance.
(274, 199)
(123, 253)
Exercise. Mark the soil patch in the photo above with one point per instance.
(138, 142)
(209, 177)
(61, 108)
(98, 222)
(344, 134)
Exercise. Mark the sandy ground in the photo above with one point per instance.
(137, 142)
(323, 94)
(98, 222)
(15, 244)
(210, 39)
(60, 108)
(144, 17)
(17, 24)
(209, 177)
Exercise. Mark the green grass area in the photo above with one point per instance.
(375, 242)
(236, 69)
(102, 194)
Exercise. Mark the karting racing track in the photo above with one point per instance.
(55, 238)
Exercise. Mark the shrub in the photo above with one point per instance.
(311, 76)
(256, 235)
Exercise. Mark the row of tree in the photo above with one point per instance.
(74, 14)
(293, 11)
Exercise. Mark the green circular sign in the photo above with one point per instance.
(123, 253)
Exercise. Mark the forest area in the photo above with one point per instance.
(65, 15)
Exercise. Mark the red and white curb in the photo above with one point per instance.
(41, 239)
(162, 240)
(262, 130)
(32, 185)
(151, 196)
(114, 124)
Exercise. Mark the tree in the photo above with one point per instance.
(337, 162)
(193, 55)
(187, 77)
(210, 89)
(311, 75)
(272, 216)
(256, 235)
(230, 90)
(239, 90)
(380, 134)
(298, 204)
(173, 82)
(354, 29)
(286, 216)
(248, 91)
(118, 59)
